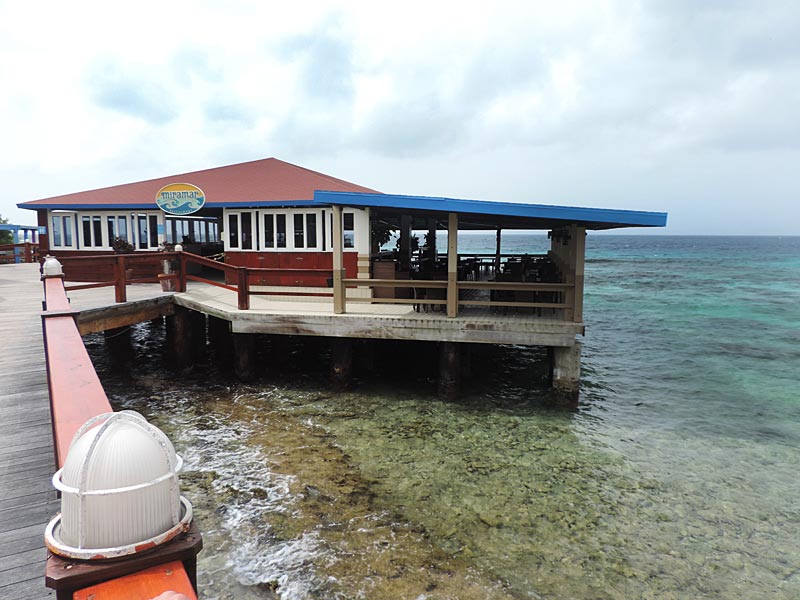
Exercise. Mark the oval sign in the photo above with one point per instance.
(180, 198)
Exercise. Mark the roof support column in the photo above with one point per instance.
(338, 262)
(452, 265)
(497, 251)
(578, 242)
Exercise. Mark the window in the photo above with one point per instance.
(299, 232)
(143, 236)
(247, 231)
(68, 231)
(349, 230)
(153, 231)
(111, 222)
(269, 231)
(280, 227)
(92, 231)
(97, 230)
(57, 231)
(122, 227)
(233, 231)
(86, 229)
(311, 230)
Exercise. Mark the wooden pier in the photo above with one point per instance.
(27, 498)
(28, 454)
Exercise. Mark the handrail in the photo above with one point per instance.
(76, 395)
(504, 286)
(10, 253)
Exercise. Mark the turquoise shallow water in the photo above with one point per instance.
(674, 478)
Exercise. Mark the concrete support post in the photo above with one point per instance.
(341, 362)
(452, 265)
(244, 355)
(566, 368)
(449, 370)
(179, 339)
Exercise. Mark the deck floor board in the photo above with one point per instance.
(27, 499)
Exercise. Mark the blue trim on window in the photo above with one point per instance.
(604, 217)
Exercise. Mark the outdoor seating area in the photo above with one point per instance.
(526, 268)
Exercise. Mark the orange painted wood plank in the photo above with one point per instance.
(76, 394)
(55, 295)
(146, 584)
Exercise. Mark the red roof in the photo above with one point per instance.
(266, 180)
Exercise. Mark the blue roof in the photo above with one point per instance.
(524, 216)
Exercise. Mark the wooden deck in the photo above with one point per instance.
(27, 499)
(303, 316)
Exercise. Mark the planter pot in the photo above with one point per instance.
(167, 282)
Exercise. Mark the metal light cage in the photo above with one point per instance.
(119, 490)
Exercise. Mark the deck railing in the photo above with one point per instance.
(76, 395)
(19, 253)
(119, 270)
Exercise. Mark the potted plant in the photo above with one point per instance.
(122, 246)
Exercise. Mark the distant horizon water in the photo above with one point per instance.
(675, 478)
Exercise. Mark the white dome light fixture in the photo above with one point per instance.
(119, 490)
(51, 267)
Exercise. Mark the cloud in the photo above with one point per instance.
(124, 90)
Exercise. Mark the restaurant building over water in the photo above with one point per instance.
(297, 232)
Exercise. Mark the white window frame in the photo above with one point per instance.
(60, 214)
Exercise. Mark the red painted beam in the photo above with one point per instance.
(156, 582)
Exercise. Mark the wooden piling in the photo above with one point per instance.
(341, 362)
(179, 339)
(199, 339)
(449, 370)
(118, 343)
(244, 355)
(219, 338)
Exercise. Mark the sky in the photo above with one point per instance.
(681, 106)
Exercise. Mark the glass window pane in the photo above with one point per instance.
(349, 233)
(97, 228)
(87, 231)
(322, 221)
(111, 229)
(56, 231)
(153, 231)
(122, 227)
(68, 231)
(247, 231)
(233, 231)
(311, 230)
(143, 237)
(299, 238)
(269, 231)
(280, 226)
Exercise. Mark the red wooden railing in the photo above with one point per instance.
(118, 270)
(13, 253)
(76, 395)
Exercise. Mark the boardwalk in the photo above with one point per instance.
(27, 500)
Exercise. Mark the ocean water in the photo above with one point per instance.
(675, 477)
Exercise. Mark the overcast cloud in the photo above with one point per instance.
(686, 107)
